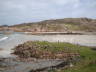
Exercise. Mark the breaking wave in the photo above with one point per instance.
(4, 38)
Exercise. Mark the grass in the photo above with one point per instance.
(37, 49)
(88, 56)
(53, 46)
(87, 61)
(55, 26)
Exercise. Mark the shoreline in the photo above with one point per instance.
(60, 33)
(50, 33)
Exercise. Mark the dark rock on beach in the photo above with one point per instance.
(12, 65)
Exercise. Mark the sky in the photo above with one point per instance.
(23, 11)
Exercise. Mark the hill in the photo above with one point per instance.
(58, 25)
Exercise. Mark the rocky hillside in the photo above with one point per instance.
(58, 25)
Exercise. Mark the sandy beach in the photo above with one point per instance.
(8, 42)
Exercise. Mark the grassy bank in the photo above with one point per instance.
(87, 61)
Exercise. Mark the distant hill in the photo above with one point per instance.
(57, 25)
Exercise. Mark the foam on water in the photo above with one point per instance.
(4, 38)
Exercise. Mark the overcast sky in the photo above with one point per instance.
(20, 11)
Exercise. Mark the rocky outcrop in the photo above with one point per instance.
(35, 50)
(12, 65)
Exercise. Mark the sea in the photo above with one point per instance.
(9, 41)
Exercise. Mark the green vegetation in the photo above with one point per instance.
(58, 25)
(45, 50)
(87, 62)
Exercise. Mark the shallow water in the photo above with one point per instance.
(10, 41)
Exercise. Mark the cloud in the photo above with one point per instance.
(19, 11)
